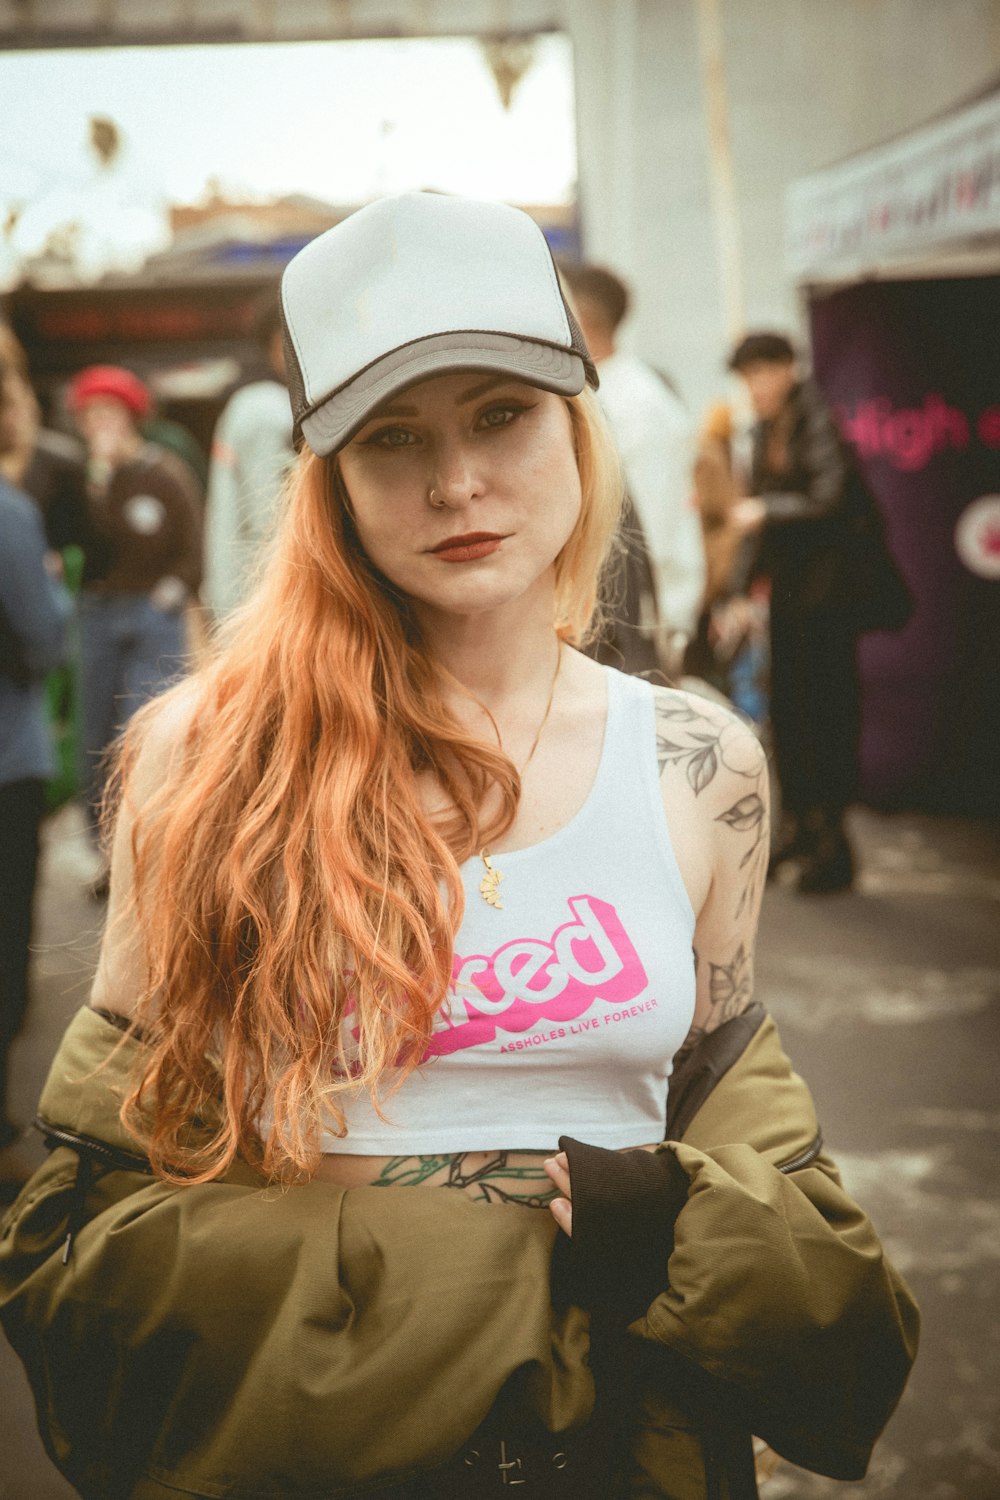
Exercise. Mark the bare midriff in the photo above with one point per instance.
(486, 1176)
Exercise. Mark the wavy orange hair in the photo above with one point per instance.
(286, 873)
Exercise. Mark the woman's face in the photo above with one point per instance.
(498, 456)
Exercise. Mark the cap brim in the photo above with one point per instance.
(331, 425)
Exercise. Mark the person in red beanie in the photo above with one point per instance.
(110, 382)
(141, 570)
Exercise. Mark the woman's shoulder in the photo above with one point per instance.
(704, 743)
(715, 788)
(160, 732)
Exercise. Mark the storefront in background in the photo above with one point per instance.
(898, 254)
(187, 323)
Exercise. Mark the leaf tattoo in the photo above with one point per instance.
(498, 1180)
(731, 985)
(745, 814)
(701, 767)
(702, 758)
(748, 816)
(697, 742)
(682, 713)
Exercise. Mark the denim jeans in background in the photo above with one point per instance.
(748, 679)
(129, 651)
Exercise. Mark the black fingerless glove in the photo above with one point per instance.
(625, 1204)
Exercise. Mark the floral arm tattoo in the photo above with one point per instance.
(721, 763)
(498, 1180)
(730, 987)
(702, 746)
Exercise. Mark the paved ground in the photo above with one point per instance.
(889, 1001)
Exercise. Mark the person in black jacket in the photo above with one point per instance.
(798, 515)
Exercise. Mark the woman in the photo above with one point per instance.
(404, 893)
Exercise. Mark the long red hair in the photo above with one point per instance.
(297, 904)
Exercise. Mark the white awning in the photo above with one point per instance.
(934, 190)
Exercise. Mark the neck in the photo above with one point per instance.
(501, 659)
(131, 447)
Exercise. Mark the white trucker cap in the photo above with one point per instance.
(419, 285)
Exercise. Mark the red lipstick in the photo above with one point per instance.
(467, 547)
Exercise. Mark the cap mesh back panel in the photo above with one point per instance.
(293, 377)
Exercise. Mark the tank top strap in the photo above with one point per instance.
(630, 743)
(628, 787)
(631, 705)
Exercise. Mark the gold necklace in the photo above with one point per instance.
(489, 886)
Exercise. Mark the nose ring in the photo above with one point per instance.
(435, 499)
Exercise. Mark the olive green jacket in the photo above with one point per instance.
(247, 1341)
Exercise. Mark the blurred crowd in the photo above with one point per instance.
(751, 559)
(748, 561)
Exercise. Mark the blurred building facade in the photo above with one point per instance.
(186, 322)
(705, 131)
(693, 118)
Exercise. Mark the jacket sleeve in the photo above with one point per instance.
(778, 1289)
(821, 455)
(776, 1306)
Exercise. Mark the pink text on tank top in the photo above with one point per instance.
(590, 958)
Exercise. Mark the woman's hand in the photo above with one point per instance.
(557, 1168)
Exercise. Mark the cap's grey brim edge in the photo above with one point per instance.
(334, 423)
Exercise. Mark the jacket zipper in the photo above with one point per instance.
(796, 1163)
(126, 1161)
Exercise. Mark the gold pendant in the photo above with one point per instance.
(489, 886)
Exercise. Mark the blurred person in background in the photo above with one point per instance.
(181, 441)
(729, 649)
(141, 570)
(715, 493)
(797, 511)
(655, 437)
(34, 611)
(49, 466)
(251, 455)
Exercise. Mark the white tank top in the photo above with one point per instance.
(566, 1006)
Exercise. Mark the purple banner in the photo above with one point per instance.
(912, 370)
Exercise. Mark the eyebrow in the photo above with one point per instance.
(472, 394)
